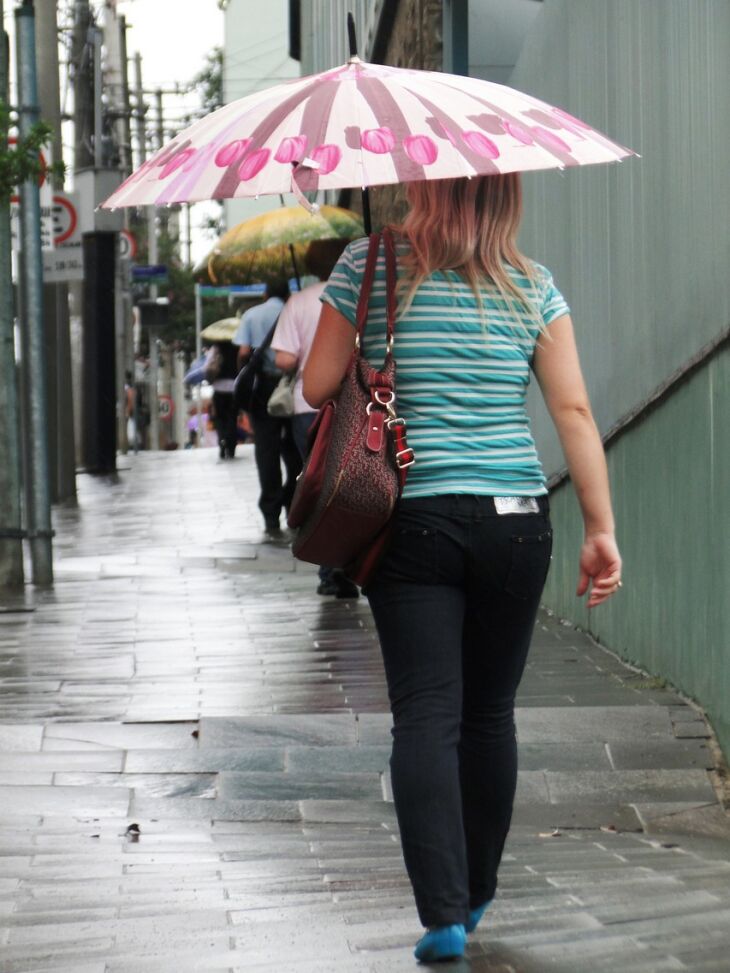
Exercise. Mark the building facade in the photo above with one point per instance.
(255, 56)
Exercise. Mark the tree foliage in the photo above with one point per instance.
(23, 161)
(208, 82)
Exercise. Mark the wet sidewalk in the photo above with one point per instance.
(193, 768)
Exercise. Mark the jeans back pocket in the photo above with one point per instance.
(412, 555)
(529, 563)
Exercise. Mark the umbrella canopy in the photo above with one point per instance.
(260, 249)
(363, 125)
(222, 330)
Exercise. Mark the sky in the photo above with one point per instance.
(173, 37)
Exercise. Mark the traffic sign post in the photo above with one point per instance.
(166, 407)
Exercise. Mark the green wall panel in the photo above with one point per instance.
(670, 476)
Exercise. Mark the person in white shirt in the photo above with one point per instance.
(292, 340)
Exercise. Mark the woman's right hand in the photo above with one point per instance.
(600, 568)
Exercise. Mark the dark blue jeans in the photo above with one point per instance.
(454, 601)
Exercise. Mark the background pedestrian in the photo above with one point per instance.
(221, 370)
(273, 438)
(292, 341)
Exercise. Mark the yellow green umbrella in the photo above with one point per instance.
(222, 330)
(259, 250)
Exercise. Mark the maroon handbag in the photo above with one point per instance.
(358, 458)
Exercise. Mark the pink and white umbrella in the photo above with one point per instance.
(362, 125)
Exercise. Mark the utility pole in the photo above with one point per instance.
(83, 83)
(11, 544)
(96, 41)
(160, 119)
(152, 257)
(126, 147)
(141, 110)
(62, 452)
(125, 345)
(39, 499)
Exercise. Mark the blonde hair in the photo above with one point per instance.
(470, 226)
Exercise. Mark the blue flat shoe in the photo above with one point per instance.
(475, 915)
(441, 943)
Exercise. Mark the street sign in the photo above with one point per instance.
(65, 218)
(207, 290)
(63, 264)
(127, 245)
(167, 407)
(154, 274)
(59, 220)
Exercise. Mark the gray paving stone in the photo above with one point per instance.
(152, 785)
(191, 808)
(275, 731)
(660, 756)
(52, 801)
(566, 756)
(24, 738)
(697, 729)
(546, 817)
(119, 736)
(592, 724)
(205, 760)
(290, 786)
(628, 786)
(337, 760)
(356, 812)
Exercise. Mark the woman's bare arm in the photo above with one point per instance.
(327, 361)
(558, 371)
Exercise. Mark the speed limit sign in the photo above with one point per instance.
(166, 407)
(127, 245)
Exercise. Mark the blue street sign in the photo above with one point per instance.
(154, 274)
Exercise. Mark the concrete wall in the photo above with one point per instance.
(641, 251)
(640, 248)
(670, 476)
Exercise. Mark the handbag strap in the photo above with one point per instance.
(383, 413)
(361, 316)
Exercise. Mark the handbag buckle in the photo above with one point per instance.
(410, 458)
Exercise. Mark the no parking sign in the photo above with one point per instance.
(166, 407)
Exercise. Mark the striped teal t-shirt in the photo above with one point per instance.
(461, 391)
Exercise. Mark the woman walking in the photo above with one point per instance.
(456, 594)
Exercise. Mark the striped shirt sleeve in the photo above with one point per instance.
(553, 303)
(343, 287)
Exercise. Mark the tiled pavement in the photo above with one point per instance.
(193, 769)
